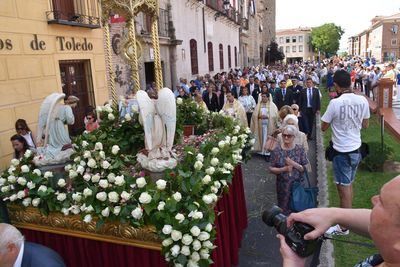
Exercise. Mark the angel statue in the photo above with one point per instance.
(52, 136)
(158, 116)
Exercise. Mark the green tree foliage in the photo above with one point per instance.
(274, 54)
(325, 38)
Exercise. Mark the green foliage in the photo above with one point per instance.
(326, 38)
(274, 54)
(377, 156)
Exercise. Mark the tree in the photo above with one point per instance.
(325, 38)
(273, 53)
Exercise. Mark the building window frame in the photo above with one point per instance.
(300, 38)
(194, 62)
(294, 39)
(287, 39)
(393, 42)
(221, 56)
(236, 57)
(287, 49)
(281, 40)
(300, 48)
(229, 57)
(294, 49)
(210, 56)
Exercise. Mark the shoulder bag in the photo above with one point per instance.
(303, 198)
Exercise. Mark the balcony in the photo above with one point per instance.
(163, 23)
(231, 14)
(80, 13)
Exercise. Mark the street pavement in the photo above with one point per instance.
(260, 247)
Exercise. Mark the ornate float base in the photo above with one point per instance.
(156, 165)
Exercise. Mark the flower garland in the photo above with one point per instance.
(103, 183)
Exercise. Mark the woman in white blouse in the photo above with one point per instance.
(248, 103)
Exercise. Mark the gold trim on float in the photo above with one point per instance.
(31, 219)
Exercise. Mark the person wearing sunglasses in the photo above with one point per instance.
(22, 129)
(288, 163)
(91, 122)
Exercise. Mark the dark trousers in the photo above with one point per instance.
(367, 88)
(249, 114)
(310, 117)
(359, 82)
(4, 213)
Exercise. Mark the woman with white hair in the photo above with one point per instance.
(288, 162)
(300, 138)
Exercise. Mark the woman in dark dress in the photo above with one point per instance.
(288, 162)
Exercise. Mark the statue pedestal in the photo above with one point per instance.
(156, 165)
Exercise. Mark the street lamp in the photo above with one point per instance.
(226, 5)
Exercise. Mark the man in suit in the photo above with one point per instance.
(211, 98)
(236, 89)
(253, 89)
(283, 96)
(15, 251)
(310, 105)
(296, 89)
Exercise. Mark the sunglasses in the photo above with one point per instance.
(20, 128)
(287, 135)
(89, 118)
(294, 109)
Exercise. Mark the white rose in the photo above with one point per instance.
(161, 205)
(68, 167)
(227, 139)
(141, 182)
(204, 236)
(137, 213)
(13, 197)
(89, 209)
(198, 215)
(88, 218)
(221, 144)
(61, 183)
(214, 189)
(98, 146)
(214, 197)
(77, 159)
(21, 181)
(11, 170)
(167, 229)
(119, 180)
(111, 117)
(175, 250)
(196, 245)
(206, 179)
(72, 174)
(167, 242)
(161, 184)
(177, 196)
(106, 164)
(36, 202)
(252, 141)
(195, 257)
(115, 149)
(87, 177)
(208, 244)
(235, 131)
(198, 165)
(145, 198)
(127, 117)
(214, 161)
(77, 196)
(117, 210)
(180, 217)
(27, 153)
(12, 179)
(24, 168)
(5, 189)
(185, 250)
(65, 211)
(102, 196)
(210, 170)
(2, 181)
(179, 101)
(105, 212)
(195, 230)
(125, 196)
(214, 151)
(26, 202)
(21, 194)
(95, 178)
(102, 154)
(207, 199)
(84, 144)
(82, 163)
(200, 157)
(87, 154)
(37, 172)
(31, 185)
(80, 169)
(103, 183)
(61, 197)
(176, 235)
(187, 239)
(111, 177)
(217, 184)
(204, 253)
(113, 197)
(209, 227)
(108, 108)
(134, 108)
(248, 130)
(91, 163)
(42, 188)
(87, 192)
(15, 162)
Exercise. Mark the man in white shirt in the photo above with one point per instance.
(15, 252)
(346, 115)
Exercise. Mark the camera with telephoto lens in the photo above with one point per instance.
(294, 236)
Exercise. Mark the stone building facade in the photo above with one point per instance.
(48, 46)
(381, 40)
(295, 44)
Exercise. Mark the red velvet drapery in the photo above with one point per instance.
(230, 225)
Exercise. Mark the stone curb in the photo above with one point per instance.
(326, 256)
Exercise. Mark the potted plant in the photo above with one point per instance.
(189, 114)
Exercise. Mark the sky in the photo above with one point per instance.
(353, 16)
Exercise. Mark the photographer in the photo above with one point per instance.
(381, 224)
